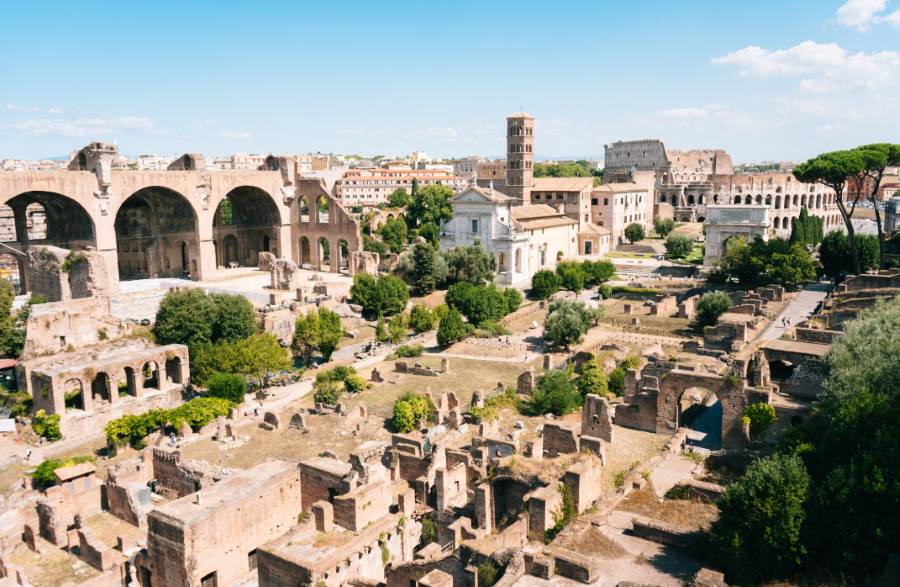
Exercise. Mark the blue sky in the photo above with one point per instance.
(764, 79)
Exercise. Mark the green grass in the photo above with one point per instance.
(626, 255)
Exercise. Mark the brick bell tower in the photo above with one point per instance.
(519, 157)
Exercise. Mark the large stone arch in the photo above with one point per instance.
(729, 390)
(68, 223)
(249, 217)
(157, 234)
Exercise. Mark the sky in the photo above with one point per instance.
(765, 80)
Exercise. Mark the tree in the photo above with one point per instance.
(635, 232)
(869, 251)
(430, 207)
(235, 317)
(712, 305)
(471, 263)
(876, 159)
(452, 328)
(834, 254)
(592, 379)
(555, 393)
(678, 246)
(663, 226)
(393, 232)
(399, 198)
(319, 330)
(792, 268)
(761, 517)
(544, 283)
(227, 386)
(479, 304)
(398, 327)
(261, 356)
(375, 246)
(383, 295)
(423, 269)
(833, 170)
(806, 230)
(567, 322)
(421, 318)
(763, 262)
(513, 299)
(185, 317)
(598, 271)
(571, 276)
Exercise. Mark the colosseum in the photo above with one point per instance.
(186, 221)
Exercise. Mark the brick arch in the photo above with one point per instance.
(731, 393)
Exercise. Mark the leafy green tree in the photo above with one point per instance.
(410, 411)
(227, 386)
(235, 317)
(374, 245)
(46, 425)
(834, 254)
(793, 267)
(663, 226)
(394, 233)
(319, 330)
(580, 168)
(592, 379)
(571, 276)
(423, 269)
(876, 160)
(759, 530)
(471, 264)
(451, 328)
(635, 232)
(430, 207)
(761, 416)
(678, 246)
(261, 356)
(833, 169)
(544, 283)
(555, 393)
(185, 317)
(399, 198)
(479, 304)
(598, 271)
(385, 295)
(567, 322)
(869, 251)
(712, 304)
(421, 318)
(762, 262)
(807, 230)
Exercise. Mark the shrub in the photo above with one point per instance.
(592, 379)
(555, 393)
(564, 516)
(638, 291)
(480, 303)
(513, 299)
(46, 425)
(488, 573)
(227, 386)
(616, 381)
(354, 383)
(567, 322)
(571, 276)
(422, 318)
(544, 284)
(598, 271)
(133, 428)
(451, 329)
(605, 291)
(495, 403)
(761, 417)
(635, 232)
(410, 410)
(409, 350)
(678, 246)
(385, 295)
(429, 531)
(43, 475)
(327, 392)
(712, 305)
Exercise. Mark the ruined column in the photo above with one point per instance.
(484, 507)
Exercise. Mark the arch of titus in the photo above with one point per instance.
(183, 222)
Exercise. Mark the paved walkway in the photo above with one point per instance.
(798, 310)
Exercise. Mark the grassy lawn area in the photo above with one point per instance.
(627, 255)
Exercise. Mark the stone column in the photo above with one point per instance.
(484, 507)
(207, 262)
(285, 243)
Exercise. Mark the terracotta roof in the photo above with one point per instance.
(593, 228)
(562, 184)
(617, 188)
(520, 115)
(534, 211)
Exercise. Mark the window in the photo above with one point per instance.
(593, 201)
(209, 580)
(474, 226)
(606, 201)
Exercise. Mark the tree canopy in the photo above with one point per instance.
(430, 207)
(635, 232)
(471, 263)
(567, 322)
(193, 317)
(765, 262)
(319, 330)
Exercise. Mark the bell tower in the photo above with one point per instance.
(519, 157)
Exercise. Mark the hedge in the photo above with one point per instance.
(133, 428)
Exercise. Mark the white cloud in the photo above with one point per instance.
(84, 127)
(208, 122)
(233, 134)
(14, 108)
(825, 65)
(860, 14)
(55, 111)
(893, 19)
(448, 133)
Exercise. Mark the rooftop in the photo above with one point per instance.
(618, 188)
(562, 184)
